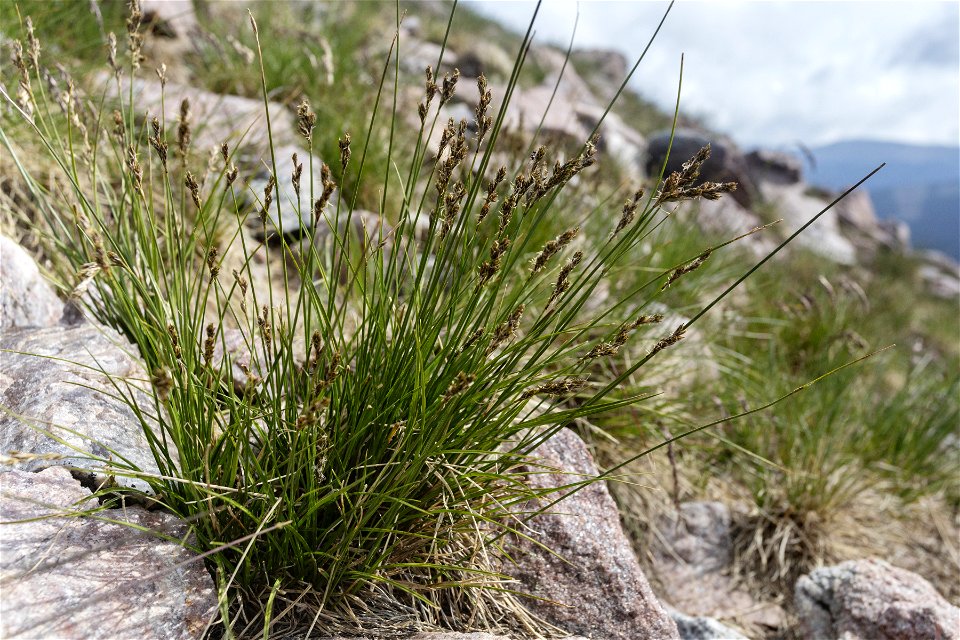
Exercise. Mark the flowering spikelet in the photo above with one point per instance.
(209, 343)
(158, 143)
(506, 209)
(136, 171)
(162, 75)
(212, 266)
(297, 173)
(24, 93)
(670, 340)
(552, 247)
(33, 45)
(193, 186)
(693, 265)
(563, 280)
(431, 91)
(679, 185)
(506, 329)
(328, 186)
(491, 196)
(263, 322)
(85, 275)
(484, 122)
(119, 129)
(306, 120)
(316, 346)
(563, 387)
(469, 342)
(449, 86)
(489, 268)
(242, 284)
(162, 382)
(330, 374)
(452, 203)
(134, 37)
(267, 198)
(459, 385)
(562, 173)
(112, 53)
(623, 334)
(174, 341)
(183, 129)
(629, 212)
(344, 143)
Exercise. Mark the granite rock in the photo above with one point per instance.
(591, 583)
(56, 395)
(86, 578)
(871, 599)
(26, 298)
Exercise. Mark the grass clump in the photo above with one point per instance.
(351, 415)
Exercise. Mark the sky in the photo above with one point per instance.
(778, 73)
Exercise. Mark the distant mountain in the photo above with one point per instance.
(920, 185)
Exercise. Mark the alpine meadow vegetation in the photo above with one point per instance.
(345, 412)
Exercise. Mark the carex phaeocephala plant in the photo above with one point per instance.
(352, 415)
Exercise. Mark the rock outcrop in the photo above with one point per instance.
(590, 581)
(26, 299)
(94, 576)
(58, 399)
(873, 600)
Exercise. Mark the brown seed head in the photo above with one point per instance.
(193, 186)
(212, 266)
(489, 268)
(297, 173)
(344, 152)
(306, 120)
(449, 86)
(563, 387)
(209, 343)
(629, 212)
(507, 329)
(183, 130)
(552, 247)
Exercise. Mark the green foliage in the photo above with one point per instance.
(361, 414)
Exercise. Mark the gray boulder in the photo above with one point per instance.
(726, 162)
(485, 57)
(692, 563)
(26, 299)
(57, 400)
(214, 118)
(873, 600)
(88, 578)
(591, 582)
(702, 628)
(296, 211)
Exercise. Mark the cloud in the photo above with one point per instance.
(935, 44)
(772, 73)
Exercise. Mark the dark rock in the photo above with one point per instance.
(169, 18)
(774, 166)
(26, 299)
(486, 58)
(596, 586)
(726, 162)
(86, 578)
(873, 600)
